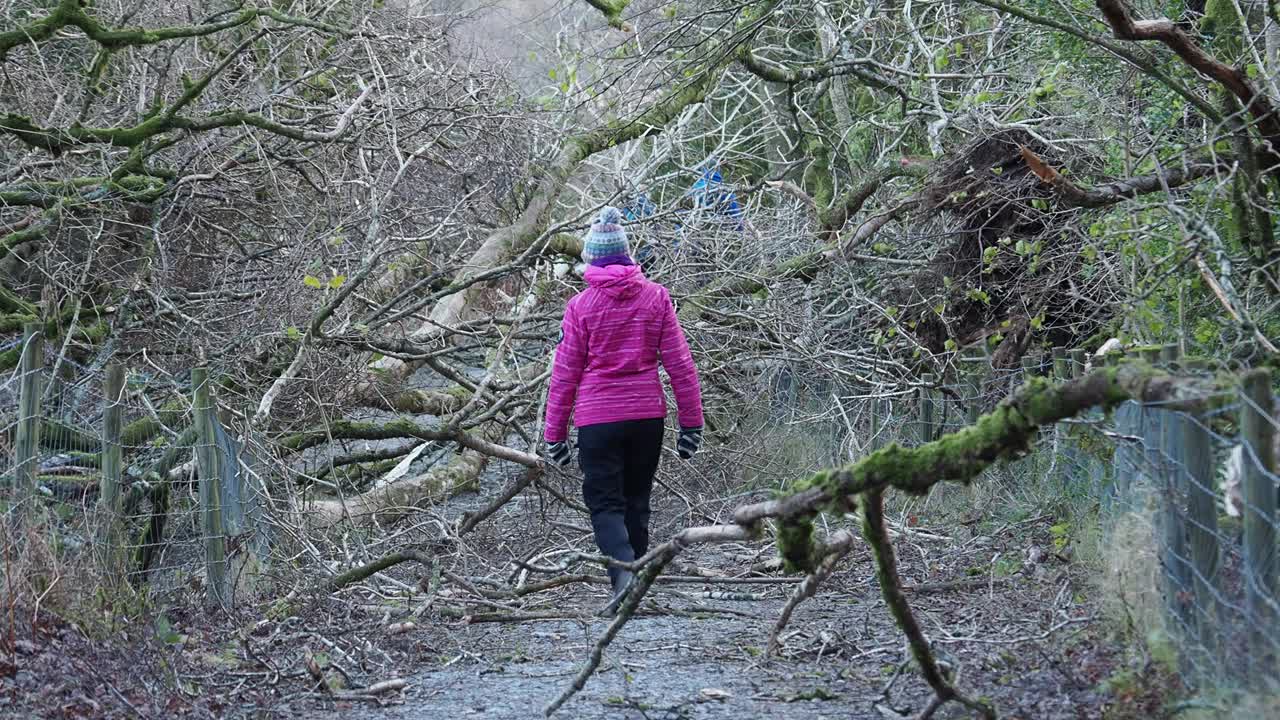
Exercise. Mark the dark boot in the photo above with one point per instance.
(621, 581)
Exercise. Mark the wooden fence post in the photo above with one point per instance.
(1078, 360)
(27, 442)
(112, 460)
(1260, 497)
(974, 386)
(210, 490)
(1063, 441)
(1151, 429)
(926, 408)
(1172, 484)
(1202, 531)
(1030, 366)
(1128, 454)
(1061, 364)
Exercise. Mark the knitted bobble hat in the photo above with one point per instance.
(606, 238)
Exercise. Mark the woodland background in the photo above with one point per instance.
(328, 244)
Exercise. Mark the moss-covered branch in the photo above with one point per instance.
(1127, 188)
(805, 267)
(354, 430)
(369, 569)
(11, 302)
(873, 529)
(612, 11)
(130, 188)
(771, 71)
(72, 13)
(59, 140)
(832, 219)
(959, 456)
(91, 330)
(1005, 432)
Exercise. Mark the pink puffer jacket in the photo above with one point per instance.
(614, 335)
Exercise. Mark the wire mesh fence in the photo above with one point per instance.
(137, 475)
(1184, 502)
(147, 477)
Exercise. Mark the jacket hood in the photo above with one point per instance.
(616, 281)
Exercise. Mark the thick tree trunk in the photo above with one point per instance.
(393, 497)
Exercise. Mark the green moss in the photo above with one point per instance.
(13, 323)
(1005, 432)
(143, 430)
(10, 302)
(795, 544)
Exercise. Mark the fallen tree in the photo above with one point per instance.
(961, 456)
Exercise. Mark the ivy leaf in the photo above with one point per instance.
(312, 281)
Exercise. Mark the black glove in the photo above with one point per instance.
(559, 453)
(689, 442)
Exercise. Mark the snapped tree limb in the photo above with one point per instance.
(1120, 190)
(959, 456)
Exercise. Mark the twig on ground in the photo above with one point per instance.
(837, 547)
(650, 567)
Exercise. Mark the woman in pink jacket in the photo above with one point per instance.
(614, 335)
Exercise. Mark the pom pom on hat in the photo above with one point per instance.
(606, 237)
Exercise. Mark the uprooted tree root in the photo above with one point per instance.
(958, 457)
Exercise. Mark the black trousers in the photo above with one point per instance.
(618, 462)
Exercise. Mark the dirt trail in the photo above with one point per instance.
(1022, 634)
(703, 658)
